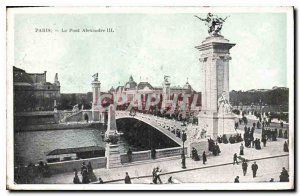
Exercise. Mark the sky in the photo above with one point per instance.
(149, 46)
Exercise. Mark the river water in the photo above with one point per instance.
(32, 147)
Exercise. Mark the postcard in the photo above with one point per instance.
(150, 98)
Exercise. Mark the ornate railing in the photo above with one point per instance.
(146, 155)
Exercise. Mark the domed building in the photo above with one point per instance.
(135, 93)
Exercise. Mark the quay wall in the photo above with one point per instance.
(60, 126)
(68, 166)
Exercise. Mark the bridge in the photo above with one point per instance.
(171, 128)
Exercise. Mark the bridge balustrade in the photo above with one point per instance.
(168, 152)
(136, 156)
(146, 155)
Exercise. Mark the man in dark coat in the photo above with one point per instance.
(244, 167)
(83, 167)
(284, 176)
(285, 134)
(204, 157)
(153, 153)
(264, 140)
(195, 155)
(285, 147)
(242, 149)
(127, 179)
(156, 175)
(235, 159)
(224, 139)
(236, 180)
(254, 169)
(76, 178)
(129, 155)
(85, 177)
(218, 149)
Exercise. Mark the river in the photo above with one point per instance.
(32, 147)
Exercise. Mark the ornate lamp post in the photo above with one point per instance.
(260, 108)
(183, 138)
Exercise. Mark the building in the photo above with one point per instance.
(33, 93)
(133, 92)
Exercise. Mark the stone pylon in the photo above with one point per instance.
(215, 58)
(96, 98)
(112, 152)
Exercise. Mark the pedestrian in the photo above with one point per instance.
(254, 169)
(253, 142)
(157, 176)
(76, 178)
(153, 153)
(264, 140)
(285, 147)
(85, 178)
(204, 157)
(244, 167)
(89, 168)
(242, 149)
(129, 154)
(236, 180)
(101, 181)
(285, 134)
(257, 144)
(195, 155)
(284, 176)
(46, 173)
(153, 174)
(170, 180)
(235, 159)
(83, 167)
(127, 179)
(218, 149)
(41, 168)
(215, 151)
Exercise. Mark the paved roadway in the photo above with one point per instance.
(268, 168)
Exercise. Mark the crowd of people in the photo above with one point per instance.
(87, 174)
(248, 135)
(273, 134)
(254, 168)
(283, 177)
(213, 147)
(232, 139)
(26, 175)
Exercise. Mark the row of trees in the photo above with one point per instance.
(277, 97)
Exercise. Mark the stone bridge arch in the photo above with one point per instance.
(154, 122)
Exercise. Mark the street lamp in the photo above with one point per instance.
(260, 108)
(183, 138)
